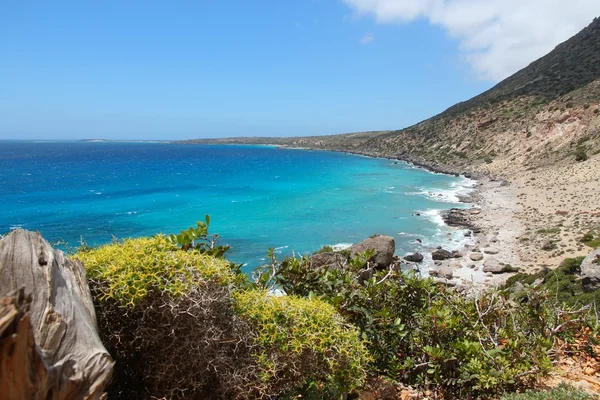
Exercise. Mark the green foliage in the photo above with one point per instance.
(422, 334)
(587, 237)
(488, 159)
(304, 345)
(590, 240)
(562, 392)
(198, 239)
(562, 284)
(324, 249)
(580, 154)
(130, 269)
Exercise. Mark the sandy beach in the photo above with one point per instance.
(529, 220)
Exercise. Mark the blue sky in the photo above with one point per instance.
(213, 68)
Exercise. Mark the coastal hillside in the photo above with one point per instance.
(546, 113)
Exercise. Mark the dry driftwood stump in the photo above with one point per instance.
(49, 344)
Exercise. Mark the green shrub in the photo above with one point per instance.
(562, 392)
(580, 154)
(170, 316)
(304, 345)
(588, 240)
(167, 318)
(425, 335)
(129, 269)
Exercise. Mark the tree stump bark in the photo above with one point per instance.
(49, 343)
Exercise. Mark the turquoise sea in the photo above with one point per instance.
(258, 197)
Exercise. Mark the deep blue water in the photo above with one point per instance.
(258, 197)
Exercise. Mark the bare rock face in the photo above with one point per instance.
(59, 322)
(384, 247)
(590, 271)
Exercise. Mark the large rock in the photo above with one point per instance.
(384, 247)
(590, 271)
(495, 267)
(491, 250)
(73, 363)
(416, 257)
(475, 256)
(328, 259)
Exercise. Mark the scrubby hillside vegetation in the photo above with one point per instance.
(183, 322)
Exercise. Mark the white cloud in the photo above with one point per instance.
(497, 37)
(367, 38)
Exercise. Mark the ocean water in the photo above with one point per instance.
(257, 197)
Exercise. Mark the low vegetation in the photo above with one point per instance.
(562, 284)
(183, 322)
(422, 334)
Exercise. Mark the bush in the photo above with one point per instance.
(167, 317)
(580, 155)
(562, 392)
(177, 328)
(129, 269)
(304, 346)
(425, 335)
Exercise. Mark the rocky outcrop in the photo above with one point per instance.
(461, 218)
(384, 247)
(54, 350)
(590, 271)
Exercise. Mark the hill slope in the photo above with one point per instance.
(538, 116)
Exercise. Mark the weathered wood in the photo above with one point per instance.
(60, 327)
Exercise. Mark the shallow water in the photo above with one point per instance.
(258, 197)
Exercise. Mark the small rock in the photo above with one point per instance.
(444, 272)
(491, 250)
(476, 256)
(494, 266)
(441, 254)
(416, 257)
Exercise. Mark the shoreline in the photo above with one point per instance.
(519, 216)
(491, 221)
(487, 233)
